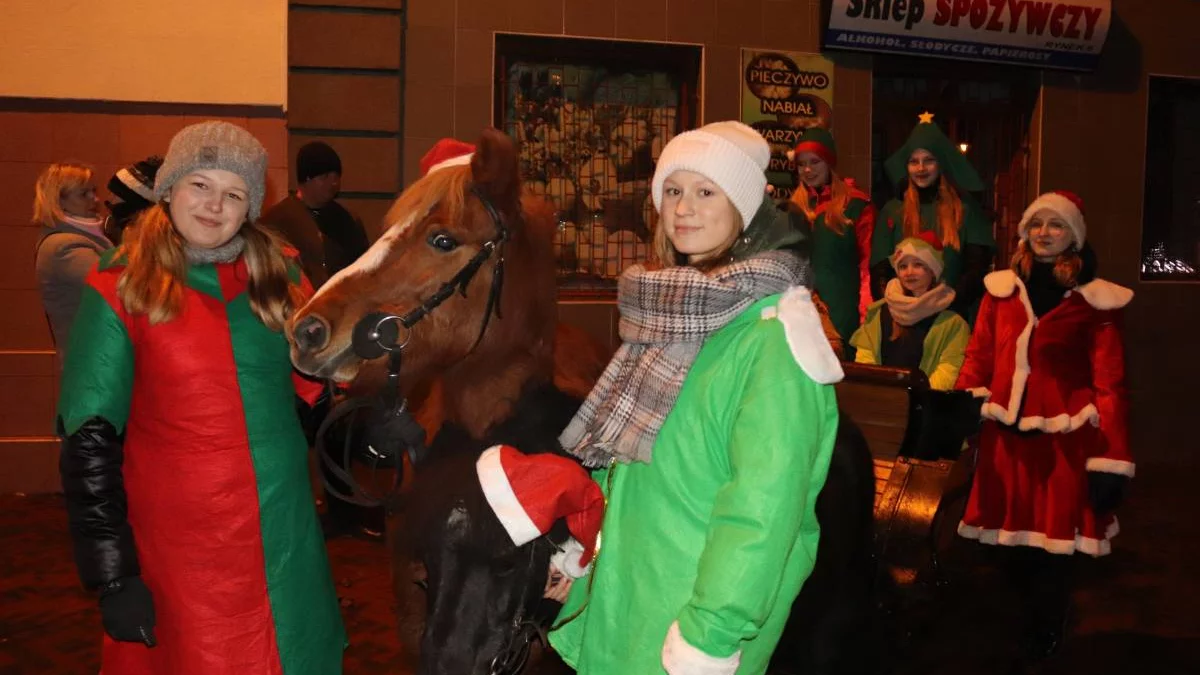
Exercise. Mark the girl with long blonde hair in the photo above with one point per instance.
(184, 463)
(935, 181)
(841, 220)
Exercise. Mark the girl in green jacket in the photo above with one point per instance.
(711, 431)
(911, 327)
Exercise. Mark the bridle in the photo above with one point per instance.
(512, 658)
(379, 333)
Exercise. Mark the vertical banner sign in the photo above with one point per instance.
(784, 93)
(1046, 33)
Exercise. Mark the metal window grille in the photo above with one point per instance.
(591, 120)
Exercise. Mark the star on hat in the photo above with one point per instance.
(925, 117)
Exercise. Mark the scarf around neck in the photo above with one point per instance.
(666, 316)
(93, 226)
(908, 311)
(225, 253)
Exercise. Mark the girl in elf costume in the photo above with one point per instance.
(183, 462)
(1047, 361)
(911, 327)
(936, 179)
(841, 219)
(712, 430)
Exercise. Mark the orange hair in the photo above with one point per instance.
(949, 212)
(835, 213)
(1066, 266)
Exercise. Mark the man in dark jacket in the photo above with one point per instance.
(327, 236)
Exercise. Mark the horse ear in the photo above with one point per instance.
(494, 167)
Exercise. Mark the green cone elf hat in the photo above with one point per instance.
(924, 247)
(951, 162)
(819, 142)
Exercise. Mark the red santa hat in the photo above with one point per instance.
(446, 153)
(1067, 206)
(528, 493)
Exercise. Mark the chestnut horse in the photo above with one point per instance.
(506, 376)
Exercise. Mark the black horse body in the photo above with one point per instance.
(477, 582)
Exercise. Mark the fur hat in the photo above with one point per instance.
(528, 493)
(215, 145)
(730, 154)
(924, 247)
(446, 153)
(1066, 205)
(316, 159)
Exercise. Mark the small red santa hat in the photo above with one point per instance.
(446, 153)
(1066, 205)
(528, 493)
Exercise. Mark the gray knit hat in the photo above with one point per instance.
(216, 145)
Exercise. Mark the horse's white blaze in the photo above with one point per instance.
(374, 257)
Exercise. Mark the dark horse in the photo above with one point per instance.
(507, 375)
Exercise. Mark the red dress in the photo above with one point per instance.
(1056, 408)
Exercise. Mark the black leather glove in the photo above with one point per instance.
(1106, 490)
(311, 416)
(127, 610)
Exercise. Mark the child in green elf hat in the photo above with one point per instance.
(841, 218)
(936, 179)
(912, 327)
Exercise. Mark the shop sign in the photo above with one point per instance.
(1044, 33)
(784, 93)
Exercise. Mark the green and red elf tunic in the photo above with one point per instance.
(215, 474)
(840, 261)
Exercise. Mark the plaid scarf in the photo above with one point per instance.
(666, 315)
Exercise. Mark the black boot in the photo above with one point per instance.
(1042, 582)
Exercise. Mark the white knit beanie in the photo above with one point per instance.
(730, 154)
(1066, 205)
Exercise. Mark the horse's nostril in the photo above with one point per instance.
(311, 334)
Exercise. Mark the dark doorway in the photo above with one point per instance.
(987, 107)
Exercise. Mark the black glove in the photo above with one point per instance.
(311, 416)
(127, 610)
(1105, 490)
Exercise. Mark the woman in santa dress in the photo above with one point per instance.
(1047, 360)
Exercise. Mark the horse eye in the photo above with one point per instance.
(442, 241)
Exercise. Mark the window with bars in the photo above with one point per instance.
(590, 118)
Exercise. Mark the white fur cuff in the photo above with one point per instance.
(1105, 465)
(566, 559)
(681, 658)
(806, 337)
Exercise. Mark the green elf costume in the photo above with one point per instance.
(185, 466)
(930, 337)
(840, 256)
(712, 430)
(966, 264)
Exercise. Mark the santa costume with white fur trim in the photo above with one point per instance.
(1055, 404)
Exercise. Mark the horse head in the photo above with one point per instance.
(466, 271)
